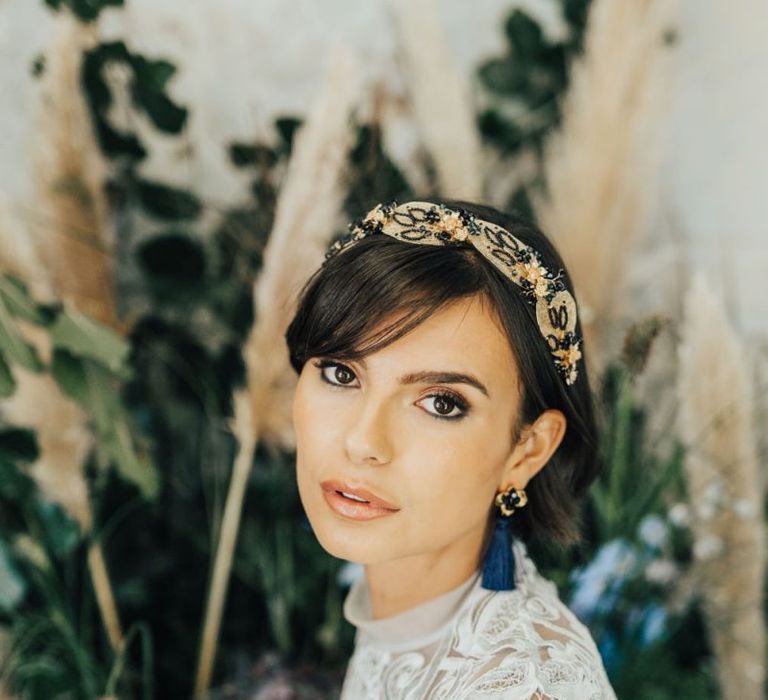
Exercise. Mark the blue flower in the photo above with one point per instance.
(653, 624)
(653, 531)
(597, 586)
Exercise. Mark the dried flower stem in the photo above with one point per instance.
(104, 596)
(307, 211)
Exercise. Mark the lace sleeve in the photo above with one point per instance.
(541, 651)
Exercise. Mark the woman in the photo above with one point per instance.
(443, 419)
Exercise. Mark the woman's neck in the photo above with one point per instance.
(401, 584)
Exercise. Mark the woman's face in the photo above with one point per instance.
(437, 450)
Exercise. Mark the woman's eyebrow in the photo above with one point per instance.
(427, 377)
(436, 377)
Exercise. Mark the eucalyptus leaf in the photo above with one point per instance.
(12, 585)
(84, 337)
(15, 485)
(149, 92)
(113, 143)
(84, 10)
(115, 436)
(7, 380)
(174, 265)
(525, 36)
(132, 465)
(168, 203)
(61, 531)
(18, 444)
(286, 128)
(247, 154)
(13, 345)
(69, 373)
(21, 304)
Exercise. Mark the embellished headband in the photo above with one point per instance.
(425, 223)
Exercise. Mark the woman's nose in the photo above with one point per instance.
(368, 438)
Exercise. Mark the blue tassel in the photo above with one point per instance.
(499, 564)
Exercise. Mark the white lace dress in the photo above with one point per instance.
(473, 643)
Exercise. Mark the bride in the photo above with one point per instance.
(443, 419)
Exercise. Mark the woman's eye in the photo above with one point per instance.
(446, 404)
(341, 375)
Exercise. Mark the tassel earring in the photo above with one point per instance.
(499, 564)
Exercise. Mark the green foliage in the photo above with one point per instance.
(12, 584)
(89, 363)
(635, 478)
(18, 444)
(84, 10)
(80, 336)
(98, 95)
(524, 87)
(147, 84)
(371, 176)
(276, 553)
(174, 266)
(167, 203)
(159, 404)
(244, 155)
(12, 345)
(676, 668)
(148, 91)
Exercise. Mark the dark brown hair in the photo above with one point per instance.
(380, 277)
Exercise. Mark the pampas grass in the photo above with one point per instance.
(308, 210)
(600, 166)
(18, 254)
(64, 443)
(68, 256)
(717, 425)
(440, 99)
(73, 234)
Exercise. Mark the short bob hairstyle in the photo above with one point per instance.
(380, 278)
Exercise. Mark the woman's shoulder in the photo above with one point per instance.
(531, 641)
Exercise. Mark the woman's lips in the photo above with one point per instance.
(374, 507)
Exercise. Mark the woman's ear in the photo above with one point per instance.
(538, 442)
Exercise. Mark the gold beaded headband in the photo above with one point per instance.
(425, 223)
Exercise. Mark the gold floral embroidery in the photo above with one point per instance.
(425, 223)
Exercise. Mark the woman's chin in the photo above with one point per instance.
(352, 547)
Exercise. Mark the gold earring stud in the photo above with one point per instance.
(511, 500)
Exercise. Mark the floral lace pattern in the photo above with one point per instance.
(523, 644)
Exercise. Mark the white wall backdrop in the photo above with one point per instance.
(244, 62)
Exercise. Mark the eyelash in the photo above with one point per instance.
(455, 398)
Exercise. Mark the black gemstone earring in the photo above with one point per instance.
(499, 564)
(512, 499)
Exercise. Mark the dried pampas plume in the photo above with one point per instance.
(717, 425)
(66, 257)
(72, 231)
(600, 166)
(64, 441)
(62, 437)
(441, 100)
(18, 255)
(308, 211)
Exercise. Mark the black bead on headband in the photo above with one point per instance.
(425, 223)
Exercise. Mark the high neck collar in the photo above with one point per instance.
(418, 625)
